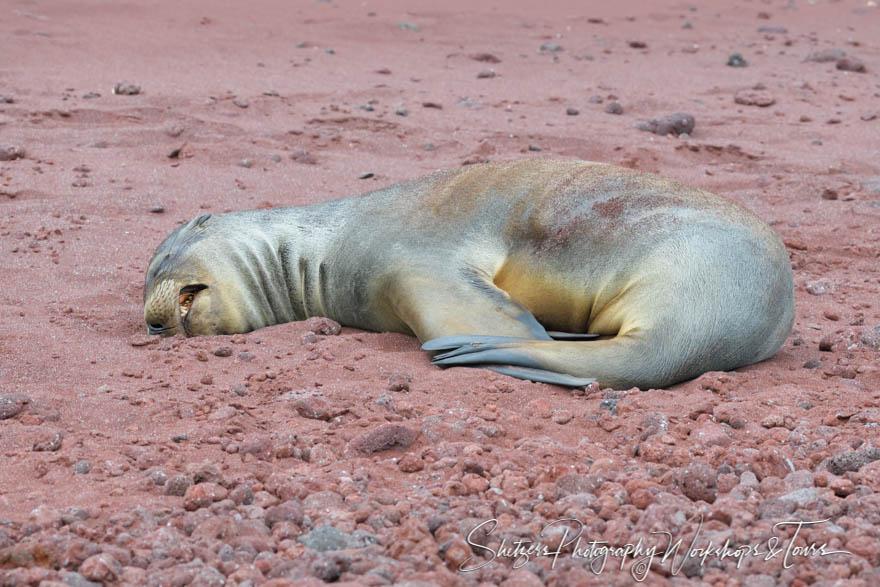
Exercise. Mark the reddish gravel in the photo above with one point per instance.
(305, 453)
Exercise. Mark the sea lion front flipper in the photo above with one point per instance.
(542, 376)
(439, 304)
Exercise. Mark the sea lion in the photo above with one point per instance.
(481, 262)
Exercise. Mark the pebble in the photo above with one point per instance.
(773, 30)
(399, 382)
(82, 467)
(485, 58)
(819, 287)
(323, 326)
(303, 156)
(698, 481)
(366, 175)
(126, 89)
(384, 437)
(851, 64)
(313, 407)
(550, 48)
(736, 60)
(11, 405)
(156, 209)
(852, 460)
(571, 111)
(614, 107)
(223, 351)
(754, 97)
(101, 567)
(202, 495)
(676, 124)
(324, 538)
(11, 152)
(177, 485)
(50, 444)
(241, 102)
(247, 163)
(486, 74)
(401, 111)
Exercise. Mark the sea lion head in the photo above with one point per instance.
(201, 282)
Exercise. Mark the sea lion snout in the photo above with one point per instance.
(168, 307)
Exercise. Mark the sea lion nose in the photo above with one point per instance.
(155, 328)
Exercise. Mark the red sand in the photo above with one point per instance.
(221, 82)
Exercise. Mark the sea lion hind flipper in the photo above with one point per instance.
(573, 336)
(542, 376)
(448, 343)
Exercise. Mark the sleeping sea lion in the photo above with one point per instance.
(550, 270)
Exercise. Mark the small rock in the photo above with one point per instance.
(50, 444)
(289, 511)
(323, 326)
(101, 567)
(11, 152)
(851, 64)
(126, 89)
(829, 194)
(485, 57)
(486, 74)
(614, 107)
(435, 105)
(241, 102)
(753, 97)
(223, 351)
(11, 405)
(401, 111)
(303, 156)
(178, 485)
(819, 287)
(676, 124)
(247, 163)
(408, 26)
(699, 482)
(399, 382)
(324, 538)
(571, 111)
(246, 356)
(826, 56)
(156, 209)
(813, 364)
(5, 99)
(202, 495)
(91, 95)
(314, 408)
(82, 467)
(852, 460)
(550, 48)
(826, 344)
(276, 158)
(736, 60)
(535, 148)
(638, 44)
(384, 437)
(366, 175)
(773, 30)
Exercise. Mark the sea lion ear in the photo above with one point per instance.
(200, 221)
